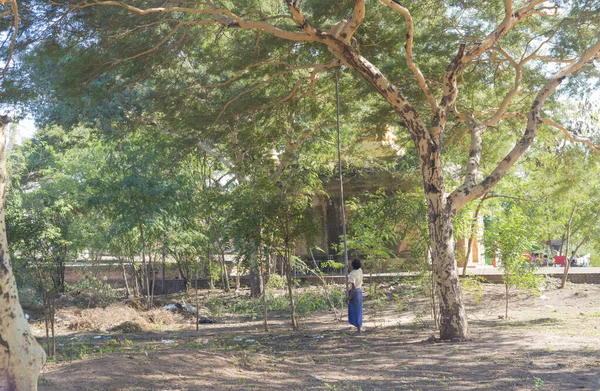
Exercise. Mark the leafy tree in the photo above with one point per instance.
(136, 184)
(290, 220)
(508, 235)
(488, 71)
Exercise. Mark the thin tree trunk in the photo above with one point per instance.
(506, 291)
(164, 288)
(21, 357)
(45, 302)
(151, 264)
(52, 316)
(472, 235)
(136, 279)
(145, 266)
(184, 270)
(60, 274)
(264, 295)
(197, 302)
(567, 260)
(282, 271)
(255, 290)
(47, 324)
(210, 275)
(566, 272)
(237, 273)
(124, 271)
(225, 274)
(290, 284)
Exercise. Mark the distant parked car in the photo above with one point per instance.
(560, 260)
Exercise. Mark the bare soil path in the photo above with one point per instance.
(550, 342)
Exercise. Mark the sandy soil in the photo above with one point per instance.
(551, 341)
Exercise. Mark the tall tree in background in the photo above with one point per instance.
(21, 357)
(507, 57)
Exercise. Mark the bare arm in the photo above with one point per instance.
(351, 292)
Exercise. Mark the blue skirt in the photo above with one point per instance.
(355, 309)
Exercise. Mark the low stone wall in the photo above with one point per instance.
(174, 286)
(575, 278)
(114, 277)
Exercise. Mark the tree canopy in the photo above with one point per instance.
(464, 94)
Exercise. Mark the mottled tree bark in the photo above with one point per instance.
(441, 214)
(21, 357)
(453, 319)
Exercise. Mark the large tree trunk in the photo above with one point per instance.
(453, 319)
(21, 357)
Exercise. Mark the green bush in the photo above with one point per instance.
(311, 301)
(276, 281)
(29, 297)
(96, 286)
(306, 302)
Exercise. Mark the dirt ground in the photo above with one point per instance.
(551, 341)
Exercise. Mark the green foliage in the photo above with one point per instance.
(307, 301)
(97, 286)
(508, 235)
(275, 281)
(380, 221)
(474, 286)
(332, 264)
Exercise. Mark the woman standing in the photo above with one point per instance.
(355, 279)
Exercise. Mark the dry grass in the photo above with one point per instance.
(127, 327)
(96, 319)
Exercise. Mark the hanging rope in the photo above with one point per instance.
(339, 146)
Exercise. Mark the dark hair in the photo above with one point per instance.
(356, 264)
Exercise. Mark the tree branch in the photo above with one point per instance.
(409, 52)
(200, 143)
(344, 52)
(313, 78)
(15, 12)
(474, 158)
(358, 15)
(316, 68)
(300, 19)
(155, 47)
(512, 93)
(464, 194)
(291, 146)
(570, 136)
(465, 57)
(219, 15)
(509, 21)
